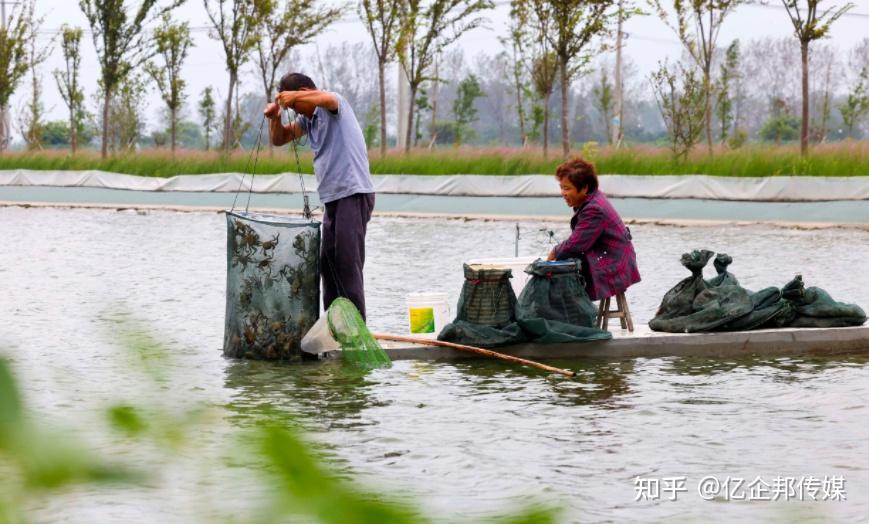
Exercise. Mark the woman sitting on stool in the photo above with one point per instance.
(600, 239)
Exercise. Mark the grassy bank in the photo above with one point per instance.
(841, 159)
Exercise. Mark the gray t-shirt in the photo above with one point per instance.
(340, 155)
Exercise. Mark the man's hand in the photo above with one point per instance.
(551, 255)
(287, 98)
(272, 111)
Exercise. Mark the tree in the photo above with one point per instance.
(57, 133)
(16, 33)
(173, 42)
(698, 23)
(828, 75)
(543, 74)
(515, 44)
(280, 30)
(30, 120)
(680, 96)
(382, 19)
(574, 23)
(126, 114)
(121, 43)
(728, 73)
(856, 106)
(206, 111)
(781, 125)
(809, 26)
(68, 82)
(234, 29)
(425, 31)
(603, 98)
(422, 105)
(463, 106)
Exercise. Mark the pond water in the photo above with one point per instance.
(461, 439)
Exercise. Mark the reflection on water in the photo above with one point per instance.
(327, 394)
(465, 438)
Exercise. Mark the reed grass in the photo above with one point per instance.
(839, 159)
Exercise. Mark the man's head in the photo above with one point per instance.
(299, 82)
(295, 82)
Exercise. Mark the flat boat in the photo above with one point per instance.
(645, 343)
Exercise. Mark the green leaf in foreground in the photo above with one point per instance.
(308, 488)
(10, 403)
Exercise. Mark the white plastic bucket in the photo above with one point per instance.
(427, 314)
(518, 265)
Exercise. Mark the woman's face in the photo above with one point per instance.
(571, 195)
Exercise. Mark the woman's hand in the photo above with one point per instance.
(551, 255)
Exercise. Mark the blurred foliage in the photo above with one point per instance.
(38, 463)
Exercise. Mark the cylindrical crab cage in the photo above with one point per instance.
(272, 284)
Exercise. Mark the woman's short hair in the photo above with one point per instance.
(295, 81)
(580, 173)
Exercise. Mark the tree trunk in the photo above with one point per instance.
(227, 124)
(522, 134)
(173, 128)
(73, 132)
(105, 145)
(434, 107)
(565, 107)
(381, 70)
(825, 107)
(707, 108)
(4, 128)
(804, 128)
(546, 125)
(619, 111)
(409, 132)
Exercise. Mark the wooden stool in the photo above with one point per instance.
(621, 312)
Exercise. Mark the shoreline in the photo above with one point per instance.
(666, 222)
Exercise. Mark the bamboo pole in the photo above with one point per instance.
(471, 349)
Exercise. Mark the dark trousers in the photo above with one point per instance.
(342, 253)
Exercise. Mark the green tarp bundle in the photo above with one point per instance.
(272, 285)
(721, 304)
(816, 308)
(553, 307)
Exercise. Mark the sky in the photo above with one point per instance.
(649, 41)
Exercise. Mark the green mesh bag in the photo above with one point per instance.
(272, 285)
(358, 346)
(556, 291)
(554, 306)
(485, 314)
(487, 297)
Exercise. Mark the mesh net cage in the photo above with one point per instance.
(272, 284)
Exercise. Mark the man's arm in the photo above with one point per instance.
(323, 99)
(279, 133)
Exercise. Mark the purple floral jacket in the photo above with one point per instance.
(602, 241)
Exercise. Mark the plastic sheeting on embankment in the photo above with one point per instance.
(767, 189)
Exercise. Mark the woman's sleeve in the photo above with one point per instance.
(588, 229)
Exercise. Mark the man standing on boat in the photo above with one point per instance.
(343, 179)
